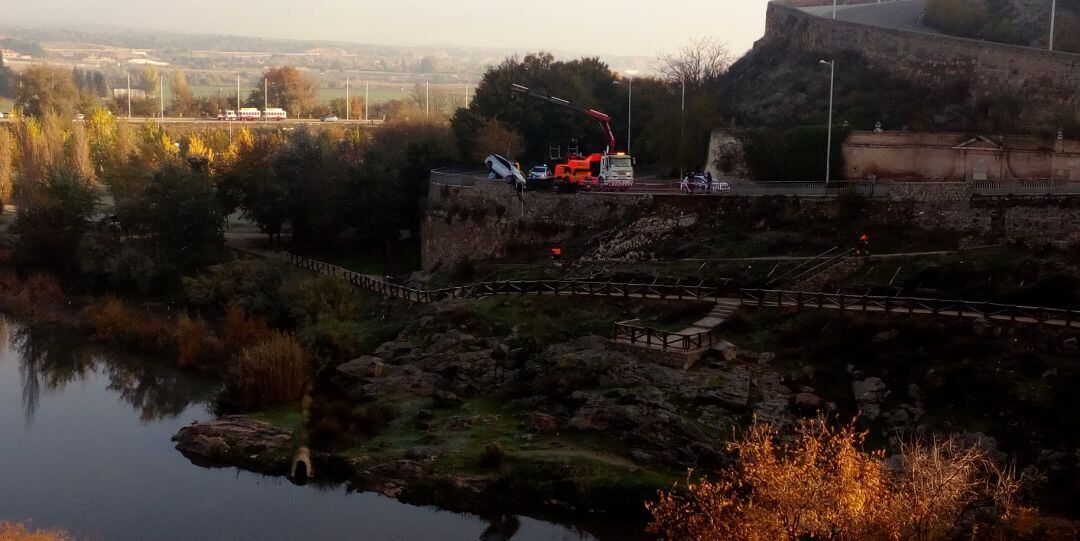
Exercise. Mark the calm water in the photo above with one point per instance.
(84, 445)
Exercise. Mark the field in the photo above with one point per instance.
(379, 94)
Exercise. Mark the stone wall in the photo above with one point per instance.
(489, 221)
(958, 156)
(1043, 82)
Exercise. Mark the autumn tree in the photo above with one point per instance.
(286, 88)
(7, 165)
(149, 80)
(496, 138)
(43, 88)
(355, 109)
(183, 99)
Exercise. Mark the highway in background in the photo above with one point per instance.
(898, 14)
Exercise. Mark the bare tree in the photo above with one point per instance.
(701, 61)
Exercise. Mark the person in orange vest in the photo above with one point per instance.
(556, 252)
(862, 247)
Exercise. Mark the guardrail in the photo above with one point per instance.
(1035, 186)
(811, 189)
(800, 300)
(455, 178)
(630, 332)
(567, 288)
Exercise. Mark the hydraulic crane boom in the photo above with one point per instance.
(601, 118)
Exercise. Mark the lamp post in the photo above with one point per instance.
(629, 105)
(1053, 15)
(828, 146)
(833, 9)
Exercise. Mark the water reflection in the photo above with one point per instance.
(50, 359)
(94, 457)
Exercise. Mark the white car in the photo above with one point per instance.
(79, 117)
(330, 118)
(503, 169)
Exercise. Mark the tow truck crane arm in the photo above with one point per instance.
(601, 118)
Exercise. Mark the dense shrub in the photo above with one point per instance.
(823, 485)
(114, 320)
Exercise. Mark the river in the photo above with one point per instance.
(86, 447)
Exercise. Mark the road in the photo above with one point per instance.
(899, 14)
(214, 121)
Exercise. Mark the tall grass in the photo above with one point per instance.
(275, 371)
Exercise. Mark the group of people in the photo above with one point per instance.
(696, 180)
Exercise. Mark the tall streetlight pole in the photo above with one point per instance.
(629, 105)
(367, 101)
(161, 97)
(237, 93)
(129, 95)
(833, 9)
(828, 146)
(347, 110)
(682, 125)
(1053, 15)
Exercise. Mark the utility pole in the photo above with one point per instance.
(1053, 15)
(682, 129)
(828, 145)
(129, 95)
(466, 94)
(367, 102)
(161, 97)
(427, 98)
(266, 96)
(346, 97)
(629, 105)
(833, 9)
(238, 93)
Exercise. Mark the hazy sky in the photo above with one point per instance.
(635, 27)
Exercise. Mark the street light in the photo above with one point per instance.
(629, 105)
(828, 147)
(1053, 14)
(833, 9)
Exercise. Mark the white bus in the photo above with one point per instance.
(249, 113)
(274, 113)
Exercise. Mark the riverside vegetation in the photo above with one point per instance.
(507, 404)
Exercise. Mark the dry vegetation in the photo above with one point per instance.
(273, 372)
(15, 531)
(822, 485)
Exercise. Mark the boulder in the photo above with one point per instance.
(869, 394)
(445, 399)
(540, 423)
(368, 366)
(236, 440)
(808, 401)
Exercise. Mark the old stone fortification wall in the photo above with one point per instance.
(1043, 81)
(489, 221)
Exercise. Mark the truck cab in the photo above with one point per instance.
(616, 172)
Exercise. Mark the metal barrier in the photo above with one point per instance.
(459, 178)
(811, 189)
(1034, 186)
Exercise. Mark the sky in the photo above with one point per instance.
(630, 27)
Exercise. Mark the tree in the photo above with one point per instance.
(43, 88)
(183, 99)
(150, 81)
(494, 138)
(7, 166)
(700, 62)
(587, 81)
(51, 218)
(355, 109)
(288, 89)
(6, 80)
